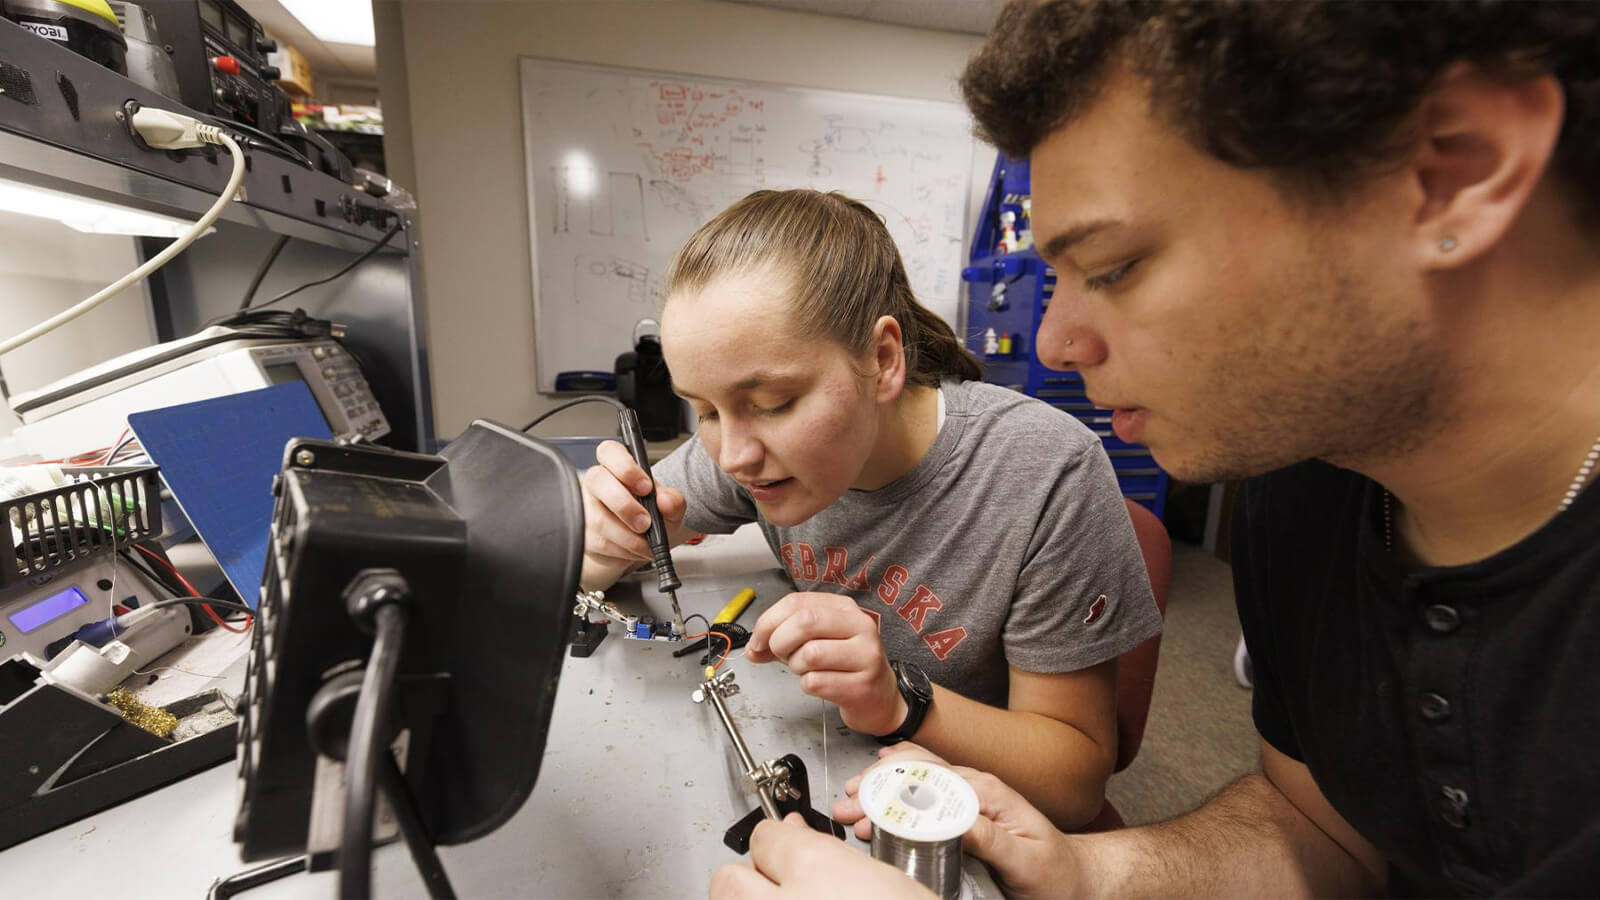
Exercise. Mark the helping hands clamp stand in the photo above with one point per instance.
(781, 785)
(587, 635)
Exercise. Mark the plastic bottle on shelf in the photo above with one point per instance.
(997, 297)
(991, 342)
(1008, 232)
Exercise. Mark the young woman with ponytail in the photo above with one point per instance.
(937, 528)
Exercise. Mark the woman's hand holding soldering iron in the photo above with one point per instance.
(615, 522)
(833, 646)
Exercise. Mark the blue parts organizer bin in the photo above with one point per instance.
(1007, 293)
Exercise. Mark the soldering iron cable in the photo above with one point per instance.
(162, 130)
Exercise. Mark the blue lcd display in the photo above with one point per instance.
(48, 610)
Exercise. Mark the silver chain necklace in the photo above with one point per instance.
(1578, 481)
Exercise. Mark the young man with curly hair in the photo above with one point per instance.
(1348, 250)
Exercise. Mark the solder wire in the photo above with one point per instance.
(827, 790)
(936, 865)
(102, 496)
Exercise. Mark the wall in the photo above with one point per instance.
(350, 93)
(460, 63)
(394, 92)
(46, 267)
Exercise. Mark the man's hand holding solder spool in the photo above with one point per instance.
(1028, 856)
(1268, 825)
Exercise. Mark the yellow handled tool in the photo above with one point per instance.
(735, 607)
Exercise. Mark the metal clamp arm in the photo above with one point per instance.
(771, 778)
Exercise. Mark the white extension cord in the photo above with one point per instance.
(162, 130)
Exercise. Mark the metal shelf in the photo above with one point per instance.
(65, 109)
(61, 127)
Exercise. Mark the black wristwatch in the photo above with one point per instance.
(918, 691)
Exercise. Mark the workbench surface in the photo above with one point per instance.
(637, 785)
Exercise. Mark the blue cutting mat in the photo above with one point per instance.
(219, 456)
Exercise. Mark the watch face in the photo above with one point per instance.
(916, 680)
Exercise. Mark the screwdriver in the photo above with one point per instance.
(660, 549)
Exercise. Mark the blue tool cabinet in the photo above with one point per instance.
(1007, 293)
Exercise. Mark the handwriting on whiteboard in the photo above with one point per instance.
(624, 165)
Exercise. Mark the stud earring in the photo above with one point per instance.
(1069, 342)
(1446, 244)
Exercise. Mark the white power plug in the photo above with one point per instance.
(166, 130)
(161, 130)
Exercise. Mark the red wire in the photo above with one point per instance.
(113, 448)
(78, 460)
(194, 593)
(89, 456)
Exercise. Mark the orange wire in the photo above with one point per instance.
(726, 641)
(194, 593)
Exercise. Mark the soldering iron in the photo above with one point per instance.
(660, 545)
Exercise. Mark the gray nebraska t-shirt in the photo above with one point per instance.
(1007, 544)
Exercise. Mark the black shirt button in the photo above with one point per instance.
(1433, 707)
(1441, 618)
(1453, 807)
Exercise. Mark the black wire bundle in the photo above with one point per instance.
(274, 323)
(256, 139)
(241, 314)
(179, 592)
(261, 271)
(370, 252)
(228, 605)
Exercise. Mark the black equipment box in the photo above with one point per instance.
(220, 53)
(644, 384)
(488, 538)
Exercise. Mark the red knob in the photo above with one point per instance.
(226, 65)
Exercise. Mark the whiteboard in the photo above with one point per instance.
(623, 165)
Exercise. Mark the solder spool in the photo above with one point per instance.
(919, 811)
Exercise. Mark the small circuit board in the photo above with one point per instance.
(635, 628)
(649, 628)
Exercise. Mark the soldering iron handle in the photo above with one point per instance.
(660, 546)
